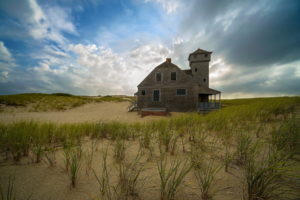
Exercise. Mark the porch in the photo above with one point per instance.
(208, 106)
(208, 99)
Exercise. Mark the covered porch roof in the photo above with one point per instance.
(207, 90)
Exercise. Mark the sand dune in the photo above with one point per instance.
(105, 111)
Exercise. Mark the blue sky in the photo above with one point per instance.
(108, 46)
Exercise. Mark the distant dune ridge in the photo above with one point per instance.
(66, 108)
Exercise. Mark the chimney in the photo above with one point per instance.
(168, 60)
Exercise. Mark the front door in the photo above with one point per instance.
(202, 97)
(156, 95)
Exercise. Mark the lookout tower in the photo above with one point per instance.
(199, 63)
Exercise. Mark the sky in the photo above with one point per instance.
(106, 47)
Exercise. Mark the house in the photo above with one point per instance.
(170, 87)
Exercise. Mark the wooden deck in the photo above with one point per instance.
(154, 111)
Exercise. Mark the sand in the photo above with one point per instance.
(53, 183)
(105, 111)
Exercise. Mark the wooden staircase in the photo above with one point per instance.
(132, 107)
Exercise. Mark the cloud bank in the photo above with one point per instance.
(109, 47)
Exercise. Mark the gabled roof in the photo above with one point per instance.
(165, 64)
(199, 51)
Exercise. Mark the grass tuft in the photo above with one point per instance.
(171, 176)
(205, 176)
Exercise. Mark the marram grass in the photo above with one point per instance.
(235, 126)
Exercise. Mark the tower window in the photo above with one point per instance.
(173, 76)
(196, 69)
(158, 76)
(204, 80)
(143, 92)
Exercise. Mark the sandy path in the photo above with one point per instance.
(105, 111)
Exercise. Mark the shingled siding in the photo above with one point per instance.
(195, 80)
(168, 99)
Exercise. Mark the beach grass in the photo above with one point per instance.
(228, 137)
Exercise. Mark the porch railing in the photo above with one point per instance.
(209, 106)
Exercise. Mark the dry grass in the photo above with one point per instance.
(57, 102)
(208, 142)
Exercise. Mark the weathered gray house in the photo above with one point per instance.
(168, 86)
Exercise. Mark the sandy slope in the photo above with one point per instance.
(45, 182)
(105, 111)
(53, 183)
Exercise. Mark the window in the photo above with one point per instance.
(143, 92)
(205, 55)
(156, 95)
(158, 76)
(181, 92)
(196, 69)
(173, 76)
(204, 80)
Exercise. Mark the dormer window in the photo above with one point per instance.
(173, 76)
(158, 76)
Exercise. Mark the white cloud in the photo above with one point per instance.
(46, 67)
(92, 69)
(7, 62)
(98, 70)
(3, 76)
(5, 55)
(228, 18)
(55, 51)
(43, 67)
(37, 21)
(170, 6)
(59, 19)
(47, 23)
(149, 54)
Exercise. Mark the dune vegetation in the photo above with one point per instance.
(53, 102)
(247, 150)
